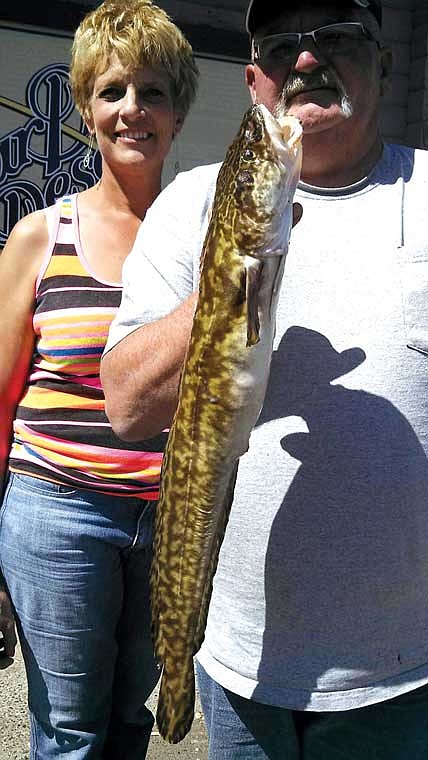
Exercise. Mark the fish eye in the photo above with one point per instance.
(248, 154)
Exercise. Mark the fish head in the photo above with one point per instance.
(260, 174)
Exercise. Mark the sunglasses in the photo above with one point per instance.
(335, 39)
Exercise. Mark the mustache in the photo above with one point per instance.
(318, 79)
(297, 83)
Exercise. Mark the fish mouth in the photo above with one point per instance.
(290, 128)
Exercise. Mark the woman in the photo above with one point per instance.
(76, 520)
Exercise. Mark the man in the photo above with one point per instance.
(316, 646)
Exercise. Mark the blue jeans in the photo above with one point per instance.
(77, 566)
(241, 729)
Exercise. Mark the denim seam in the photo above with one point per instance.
(34, 753)
(3, 510)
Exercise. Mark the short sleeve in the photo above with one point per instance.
(162, 268)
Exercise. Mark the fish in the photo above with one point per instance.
(221, 392)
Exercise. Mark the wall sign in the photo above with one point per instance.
(42, 159)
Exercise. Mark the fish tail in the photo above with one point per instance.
(176, 704)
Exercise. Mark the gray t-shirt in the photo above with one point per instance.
(320, 600)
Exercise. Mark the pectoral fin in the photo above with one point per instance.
(253, 280)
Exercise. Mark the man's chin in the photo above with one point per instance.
(317, 118)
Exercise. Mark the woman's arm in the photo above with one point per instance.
(20, 262)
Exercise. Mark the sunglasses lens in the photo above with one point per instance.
(335, 39)
(278, 49)
(339, 37)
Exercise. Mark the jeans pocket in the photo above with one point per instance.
(415, 296)
(42, 487)
(4, 501)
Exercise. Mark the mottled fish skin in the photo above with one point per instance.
(221, 393)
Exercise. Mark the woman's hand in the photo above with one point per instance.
(8, 638)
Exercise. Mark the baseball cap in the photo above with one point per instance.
(259, 11)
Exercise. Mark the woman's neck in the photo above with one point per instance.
(130, 192)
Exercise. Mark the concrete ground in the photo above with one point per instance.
(14, 742)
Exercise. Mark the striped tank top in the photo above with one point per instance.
(61, 432)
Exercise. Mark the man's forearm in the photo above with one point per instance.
(140, 375)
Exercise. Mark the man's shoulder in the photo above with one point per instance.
(202, 173)
(409, 151)
(189, 194)
(196, 180)
(420, 158)
(411, 163)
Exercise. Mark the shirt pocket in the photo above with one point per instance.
(415, 299)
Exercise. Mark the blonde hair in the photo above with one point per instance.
(137, 31)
